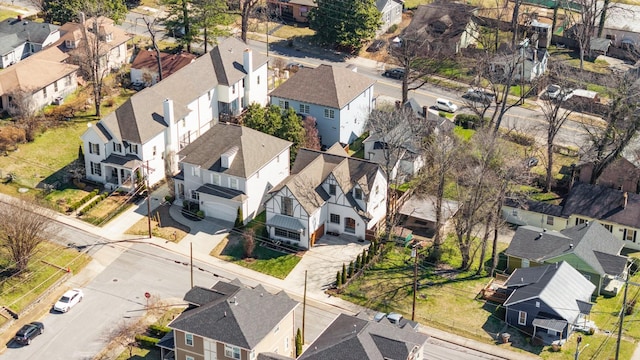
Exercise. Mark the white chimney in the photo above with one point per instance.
(247, 60)
(227, 157)
(171, 134)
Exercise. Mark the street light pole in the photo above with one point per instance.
(578, 350)
(414, 255)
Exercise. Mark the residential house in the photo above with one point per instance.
(111, 43)
(590, 248)
(327, 192)
(390, 13)
(621, 26)
(618, 211)
(338, 98)
(20, 38)
(623, 173)
(419, 214)
(406, 160)
(526, 63)
(144, 135)
(38, 80)
(233, 321)
(291, 10)
(144, 69)
(357, 337)
(231, 167)
(548, 301)
(444, 25)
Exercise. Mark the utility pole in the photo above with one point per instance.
(148, 200)
(191, 261)
(414, 255)
(578, 350)
(624, 308)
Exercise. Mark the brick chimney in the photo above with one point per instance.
(625, 199)
(425, 111)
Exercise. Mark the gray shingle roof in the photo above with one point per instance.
(558, 285)
(235, 315)
(14, 32)
(590, 242)
(535, 206)
(603, 203)
(352, 338)
(326, 85)
(312, 167)
(254, 149)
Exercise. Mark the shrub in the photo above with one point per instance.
(239, 219)
(200, 214)
(520, 138)
(468, 121)
(248, 242)
(344, 274)
(158, 330)
(147, 341)
(442, 114)
(392, 29)
(351, 268)
(338, 279)
(299, 342)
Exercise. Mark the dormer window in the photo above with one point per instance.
(70, 44)
(357, 193)
(117, 147)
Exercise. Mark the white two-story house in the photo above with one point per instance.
(338, 98)
(230, 167)
(143, 136)
(327, 192)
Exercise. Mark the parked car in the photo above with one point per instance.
(532, 161)
(477, 95)
(397, 73)
(28, 332)
(446, 105)
(293, 67)
(556, 92)
(68, 300)
(375, 46)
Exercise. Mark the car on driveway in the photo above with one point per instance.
(68, 300)
(28, 332)
(397, 73)
(477, 95)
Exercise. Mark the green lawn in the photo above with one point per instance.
(45, 269)
(5, 14)
(266, 261)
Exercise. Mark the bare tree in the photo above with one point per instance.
(23, 228)
(25, 111)
(249, 242)
(555, 117)
(622, 125)
(124, 334)
(151, 29)
(246, 10)
(398, 135)
(584, 24)
(311, 137)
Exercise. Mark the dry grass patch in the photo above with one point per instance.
(162, 226)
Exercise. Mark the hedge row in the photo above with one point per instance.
(159, 330)
(94, 202)
(81, 202)
(147, 341)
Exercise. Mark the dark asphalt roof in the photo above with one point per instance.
(603, 203)
(540, 207)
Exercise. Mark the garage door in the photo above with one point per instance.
(227, 211)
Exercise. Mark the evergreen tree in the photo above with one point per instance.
(365, 259)
(350, 274)
(344, 274)
(358, 263)
(299, 342)
(338, 280)
(346, 23)
(63, 11)
(239, 219)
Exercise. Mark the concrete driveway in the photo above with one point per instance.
(323, 261)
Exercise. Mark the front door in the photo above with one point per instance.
(349, 225)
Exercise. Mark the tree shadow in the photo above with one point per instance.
(305, 47)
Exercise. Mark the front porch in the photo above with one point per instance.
(121, 172)
(547, 331)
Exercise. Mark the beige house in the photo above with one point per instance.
(232, 321)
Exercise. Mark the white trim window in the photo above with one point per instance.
(188, 339)
(304, 108)
(522, 318)
(233, 183)
(231, 352)
(329, 114)
(215, 179)
(94, 148)
(96, 168)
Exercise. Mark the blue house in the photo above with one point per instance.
(338, 98)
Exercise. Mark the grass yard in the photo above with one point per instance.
(265, 260)
(138, 353)
(64, 198)
(287, 32)
(5, 14)
(46, 267)
(106, 209)
(162, 226)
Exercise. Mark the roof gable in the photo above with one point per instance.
(326, 85)
(603, 203)
(146, 59)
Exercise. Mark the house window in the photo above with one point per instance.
(154, 151)
(514, 212)
(134, 149)
(94, 148)
(334, 218)
(522, 318)
(67, 80)
(284, 233)
(608, 227)
(329, 114)
(55, 86)
(580, 221)
(195, 195)
(44, 92)
(215, 179)
(549, 220)
(243, 83)
(233, 183)
(630, 235)
(286, 344)
(258, 79)
(287, 206)
(96, 169)
(209, 94)
(252, 355)
(537, 304)
(358, 194)
(187, 357)
(332, 189)
(188, 339)
(304, 108)
(231, 351)
(275, 331)
(525, 263)
(377, 190)
(350, 225)
(233, 88)
(117, 147)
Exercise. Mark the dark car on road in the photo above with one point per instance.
(397, 73)
(477, 95)
(375, 46)
(28, 332)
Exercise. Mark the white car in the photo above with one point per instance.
(68, 300)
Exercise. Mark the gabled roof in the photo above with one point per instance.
(73, 31)
(590, 242)
(14, 32)
(35, 72)
(603, 203)
(233, 314)
(254, 149)
(558, 285)
(380, 4)
(440, 21)
(313, 167)
(540, 207)
(352, 338)
(146, 59)
(326, 85)
(227, 60)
